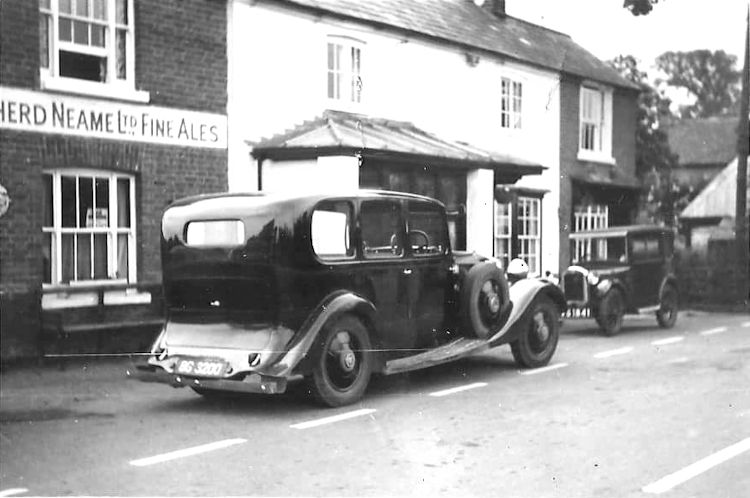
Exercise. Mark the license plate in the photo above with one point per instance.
(200, 367)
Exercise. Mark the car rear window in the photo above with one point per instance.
(331, 230)
(215, 233)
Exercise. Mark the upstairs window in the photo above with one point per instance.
(87, 41)
(511, 98)
(595, 134)
(344, 71)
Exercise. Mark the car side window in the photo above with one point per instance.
(331, 230)
(644, 248)
(426, 233)
(381, 228)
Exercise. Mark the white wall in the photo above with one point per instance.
(315, 175)
(277, 79)
(480, 195)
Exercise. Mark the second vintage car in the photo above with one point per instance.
(260, 288)
(620, 270)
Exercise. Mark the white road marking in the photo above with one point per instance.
(614, 352)
(746, 324)
(195, 450)
(717, 330)
(333, 419)
(668, 340)
(681, 359)
(544, 369)
(675, 479)
(452, 390)
(13, 491)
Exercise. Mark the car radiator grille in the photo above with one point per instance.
(573, 286)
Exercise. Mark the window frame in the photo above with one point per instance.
(519, 240)
(350, 228)
(112, 231)
(601, 121)
(511, 103)
(400, 235)
(113, 87)
(344, 101)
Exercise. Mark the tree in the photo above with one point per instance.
(654, 159)
(639, 7)
(708, 76)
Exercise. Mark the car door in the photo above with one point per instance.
(647, 269)
(383, 274)
(428, 259)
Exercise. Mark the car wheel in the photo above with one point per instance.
(483, 295)
(666, 316)
(536, 345)
(611, 311)
(342, 362)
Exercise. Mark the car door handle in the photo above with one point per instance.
(407, 271)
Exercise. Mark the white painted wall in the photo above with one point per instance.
(480, 190)
(311, 175)
(277, 79)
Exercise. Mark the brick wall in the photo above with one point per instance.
(569, 115)
(19, 43)
(624, 110)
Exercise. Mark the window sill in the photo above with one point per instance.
(90, 88)
(60, 299)
(596, 157)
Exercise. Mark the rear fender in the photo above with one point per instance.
(333, 305)
(523, 294)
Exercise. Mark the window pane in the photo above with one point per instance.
(44, 4)
(121, 54)
(101, 214)
(121, 12)
(66, 258)
(123, 202)
(80, 33)
(100, 255)
(98, 36)
(84, 256)
(100, 9)
(380, 223)
(332, 86)
(215, 233)
(426, 234)
(44, 21)
(47, 200)
(82, 8)
(83, 66)
(122, 256)
(331, 57)
(331, 226)
(65, 7)
(68, 204)
(65, 30)
(86, 202)
(46, 255)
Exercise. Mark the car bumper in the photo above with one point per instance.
(251, 383)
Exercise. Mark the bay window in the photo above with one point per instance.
(89, 227)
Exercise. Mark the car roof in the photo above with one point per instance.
(621, 231)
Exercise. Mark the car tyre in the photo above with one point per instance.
(342, 362)
(666, 316)
(611, 312)
(536, 345)
(483, 299)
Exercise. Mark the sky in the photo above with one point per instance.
(606, 29)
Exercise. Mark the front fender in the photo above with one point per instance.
(335, 304)
(522, 295)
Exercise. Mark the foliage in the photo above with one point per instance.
(654, 159)
(639, 7)
(710, 77)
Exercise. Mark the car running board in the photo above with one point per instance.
(442, 354)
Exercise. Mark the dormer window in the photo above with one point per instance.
(344, 71)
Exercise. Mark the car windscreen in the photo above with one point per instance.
(588, 249)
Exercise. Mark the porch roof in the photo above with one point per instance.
(341, 133)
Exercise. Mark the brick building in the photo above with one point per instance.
(109, 109)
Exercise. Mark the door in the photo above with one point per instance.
(383, 274)
(647, 269)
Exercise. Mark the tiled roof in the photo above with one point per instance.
(463, 22)
(718, 198)
(339, 132)
(704, 141)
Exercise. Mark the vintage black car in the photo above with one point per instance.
(260, 288)
(620, 270)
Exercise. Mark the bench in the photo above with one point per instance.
(97, 310)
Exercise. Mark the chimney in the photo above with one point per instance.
(495, 7)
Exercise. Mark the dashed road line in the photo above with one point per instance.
(746, 324)
(544, 369)
(614, 352)
(195, 450)
(668, 340)
(717, 330)
(13, 492)
(679, 361)
(458, 389)
(675, 479)
(330, 420)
